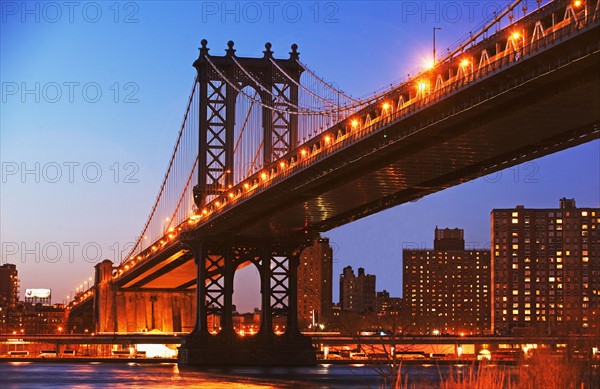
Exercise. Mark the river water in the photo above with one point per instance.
(131, 375)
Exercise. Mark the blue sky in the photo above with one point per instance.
(93, 94)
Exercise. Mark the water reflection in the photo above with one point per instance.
(107, 375)
(132, 375)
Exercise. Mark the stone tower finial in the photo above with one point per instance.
(230, 50)
(268, 53)
(294, 54)
(203, 49)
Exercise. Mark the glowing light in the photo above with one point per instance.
(577, 3)
(303, 152)
(282, 165)
(166, 219)
(327, 138)
(354, 123)
(218, 204)
(515, 35)
(422, 86)
(436, 332)
(465, 62)
(263, 176)
(230, 195)
(386, 106)
(205, 211)
(246, 185)
(429, 64)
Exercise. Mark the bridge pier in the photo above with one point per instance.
(277, 264)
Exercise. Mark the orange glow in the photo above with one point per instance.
(218, 204)
(230, 195)
(429, 64)
(577, 3)
(263, 175)
(465, 62)
(282, 164)
(354, 123)
(303, 152)
(205, 211)
(386, 106)
(246, 185)
(327, 138)
(515, 35)
(422, 86)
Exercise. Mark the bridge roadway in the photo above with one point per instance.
(546, 101)
(328, 340)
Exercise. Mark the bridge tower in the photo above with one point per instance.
(221, 80)
(276, 256)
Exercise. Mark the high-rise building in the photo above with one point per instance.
(546, 269)
(446, 289)
(315, 289)
(9, 285)
(357, 293)
(9, 294)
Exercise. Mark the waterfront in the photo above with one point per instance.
(133, 375)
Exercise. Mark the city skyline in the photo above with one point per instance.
(130, 141)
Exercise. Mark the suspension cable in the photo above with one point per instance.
(239, 139)
(302, 86)
(167, 174)
(306, 69)
(183, 193)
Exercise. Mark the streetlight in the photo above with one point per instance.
(434, 28)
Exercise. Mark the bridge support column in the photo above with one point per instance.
(277, 264)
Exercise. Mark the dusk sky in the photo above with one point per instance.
(93, 95)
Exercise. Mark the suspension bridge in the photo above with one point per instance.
(269, 154)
